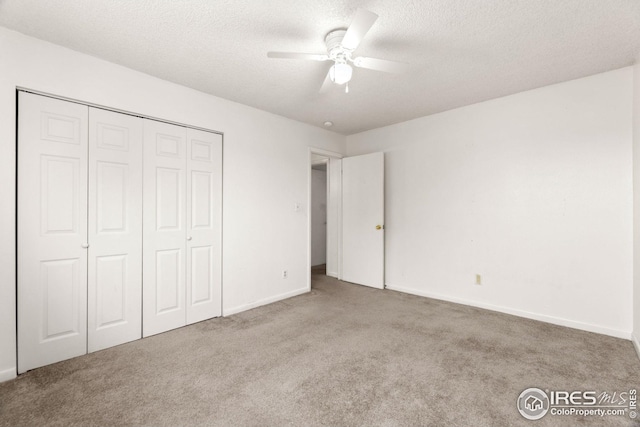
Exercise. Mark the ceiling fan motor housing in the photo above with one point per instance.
(336, 51)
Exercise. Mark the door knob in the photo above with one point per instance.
(85, 245)
(189, 238)
(378, 227)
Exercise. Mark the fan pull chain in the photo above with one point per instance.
(346, 89)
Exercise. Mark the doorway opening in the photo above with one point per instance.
(318, 211)
(324, 193)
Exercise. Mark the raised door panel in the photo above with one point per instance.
(111, 291)
(204, 225)
(164, 230)
(52, 230)
(115, 229)
(112, 185)
(60, 282)
(169, 289)
(60, 186)
(169, 193)
(201, 200)
(201, 275)
(63, 128)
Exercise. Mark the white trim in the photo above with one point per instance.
(264, 301)
(327, 153)
(636, 343)
(309, 186)
(8, 374)
(115, 110)
(332, 192)
(520, 313)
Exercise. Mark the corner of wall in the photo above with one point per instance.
(636, 342)
(8, 374)
(264, 301)
(636, 205)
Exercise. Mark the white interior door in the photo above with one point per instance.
(204, 225)
(52, 230)
(164, 227)
(115, 229)
(363, 220)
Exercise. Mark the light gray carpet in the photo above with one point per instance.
(341, 355)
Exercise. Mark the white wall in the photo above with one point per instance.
(262, 233)
(318, 217)
(636, 206)
(532, 191)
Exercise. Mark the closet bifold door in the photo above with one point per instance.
(164, 227)
(115, 229)
(52, 230)
(204, 225)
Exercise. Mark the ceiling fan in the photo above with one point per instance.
(340, 46)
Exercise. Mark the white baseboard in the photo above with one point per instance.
(7, 374)
(520, 313)
(332, 274)
(265, 301)
(636, 342)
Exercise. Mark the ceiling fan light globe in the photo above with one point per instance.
(340, 73)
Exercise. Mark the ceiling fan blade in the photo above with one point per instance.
(380, 65)
(326, 85)
(296, 55)
(361, 23)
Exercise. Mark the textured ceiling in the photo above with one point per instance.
(460, 51)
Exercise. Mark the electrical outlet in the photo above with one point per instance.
(478, 279)
(284, 274)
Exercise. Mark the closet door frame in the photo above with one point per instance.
(21, 272)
